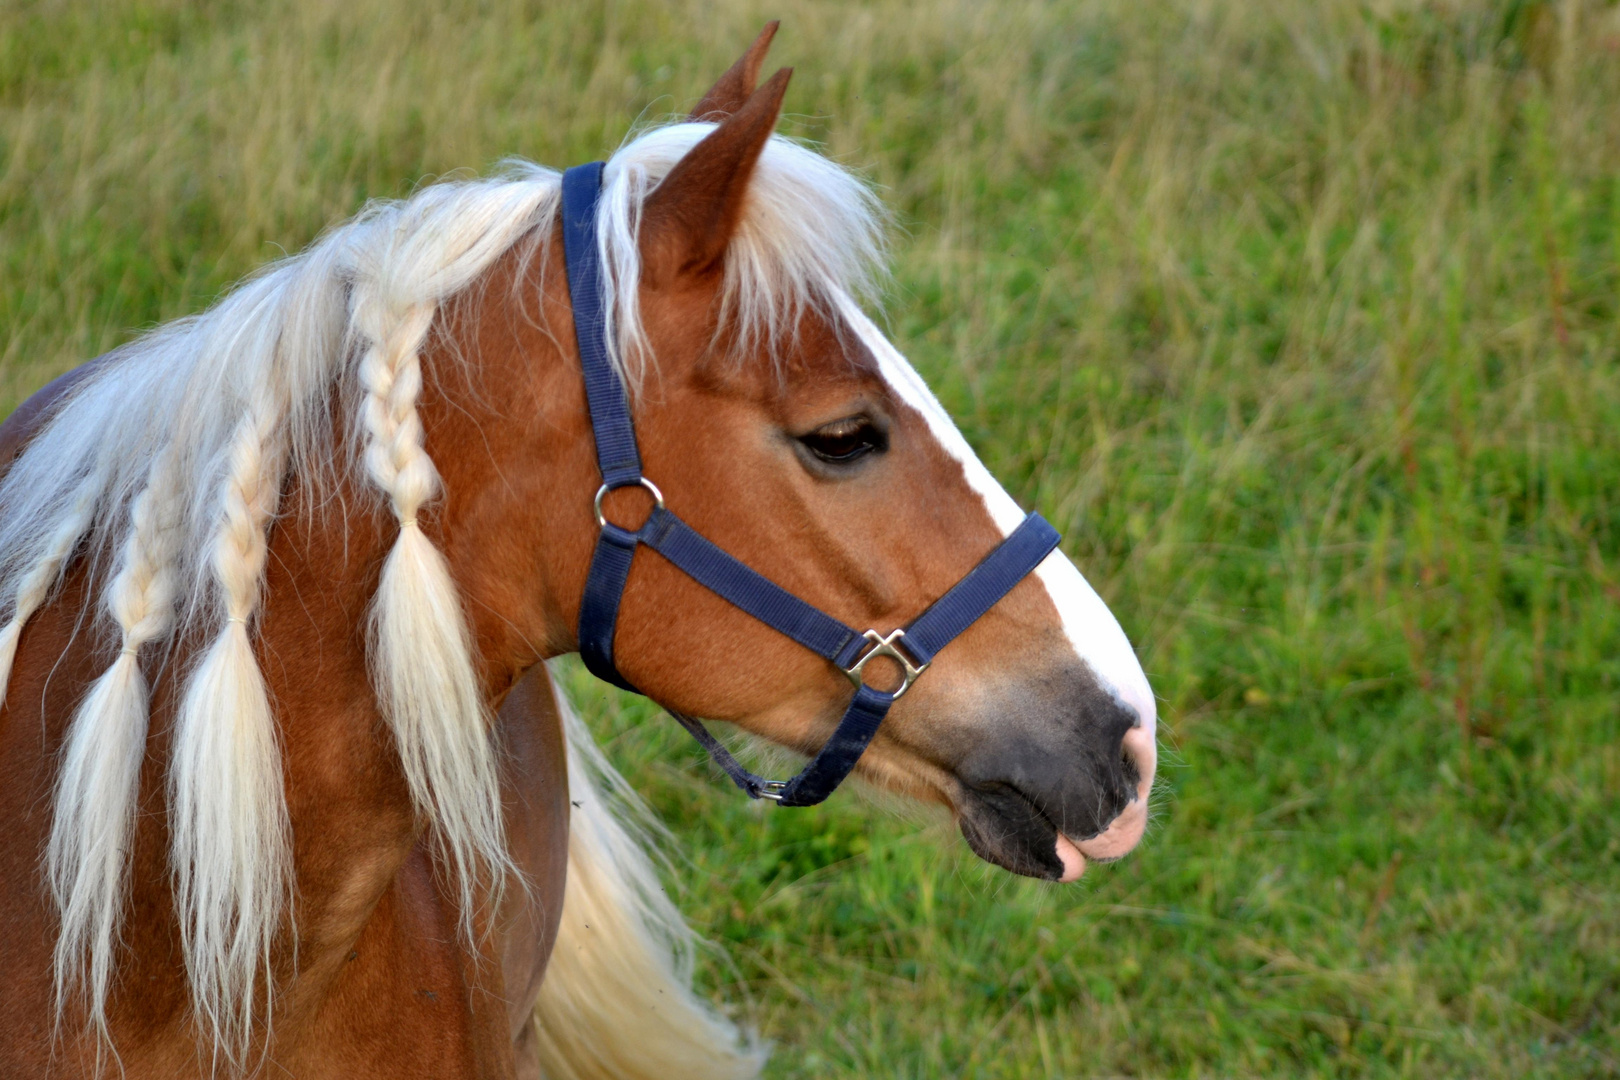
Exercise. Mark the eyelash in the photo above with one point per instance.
(844, 442)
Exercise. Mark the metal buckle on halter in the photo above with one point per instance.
(885, 646)
(772, 789)
(601, 493)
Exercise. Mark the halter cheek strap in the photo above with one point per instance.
(913, 646)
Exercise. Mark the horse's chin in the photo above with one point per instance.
(1005, 827)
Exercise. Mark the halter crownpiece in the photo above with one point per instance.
(913, 647)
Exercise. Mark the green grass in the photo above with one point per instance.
(1298, 318)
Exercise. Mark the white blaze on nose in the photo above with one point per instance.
(1091, 628)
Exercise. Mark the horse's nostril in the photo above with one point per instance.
(1138, 757)
(1128, 764)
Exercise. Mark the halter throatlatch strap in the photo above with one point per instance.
(912, 647)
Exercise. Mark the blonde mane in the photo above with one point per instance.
(165, 469)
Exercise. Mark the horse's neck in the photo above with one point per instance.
(504, 418)
(506, 422)
(503, 414)
(353, 825)
(494, 423)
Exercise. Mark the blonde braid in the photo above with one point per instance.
(391, 375)
(421, 649)
(232, 870)
(105, 745)
(36, 586)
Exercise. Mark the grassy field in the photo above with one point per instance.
(1299, 318)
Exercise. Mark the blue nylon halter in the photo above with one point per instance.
(913, 647)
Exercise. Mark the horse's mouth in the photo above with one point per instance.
(1006, 827)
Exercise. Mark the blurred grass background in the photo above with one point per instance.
(1299, 318)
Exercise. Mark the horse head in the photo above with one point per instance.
(776, 418)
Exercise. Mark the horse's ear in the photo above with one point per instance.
(690, 217)
(730, 92)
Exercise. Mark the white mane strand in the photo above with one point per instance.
(165, 469)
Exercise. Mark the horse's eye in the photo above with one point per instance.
(844, 441)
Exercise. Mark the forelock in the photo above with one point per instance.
(812, 233)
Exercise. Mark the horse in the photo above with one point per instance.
(287, 781)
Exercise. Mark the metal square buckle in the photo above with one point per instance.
(885, 646)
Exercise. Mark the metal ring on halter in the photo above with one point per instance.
(601, 493)
(885, 646)
(772, 789)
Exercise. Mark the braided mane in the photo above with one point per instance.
(165, 469)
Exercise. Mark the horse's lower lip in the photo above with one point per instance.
(1073, 859)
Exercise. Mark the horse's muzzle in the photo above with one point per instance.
(1063, 780)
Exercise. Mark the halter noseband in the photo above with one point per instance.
(913, 646)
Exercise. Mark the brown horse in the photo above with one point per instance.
(287, 785)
